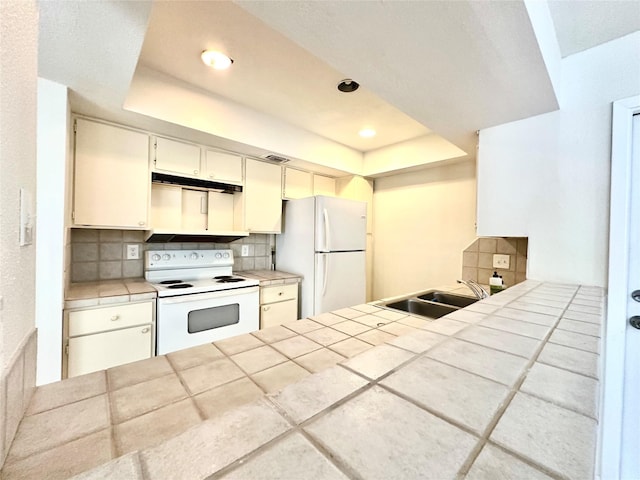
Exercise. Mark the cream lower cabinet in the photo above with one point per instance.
(105, 337)
(278, 305)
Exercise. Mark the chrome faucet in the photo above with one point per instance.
(476, 288)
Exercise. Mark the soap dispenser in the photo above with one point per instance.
(495, 283)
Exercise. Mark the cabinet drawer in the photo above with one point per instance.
(83, 322)
(278, 293)
(278, 313)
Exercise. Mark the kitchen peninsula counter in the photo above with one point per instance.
(506, 387)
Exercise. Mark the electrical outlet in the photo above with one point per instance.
(133, 252)
(245, 251)
(501, 261)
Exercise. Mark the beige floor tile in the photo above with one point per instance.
(135, 400)
(414, 321)
(52, 428)
(295, 346)
(548, 435)
(238, 344)
(350, 327)
(390, 315)
(378, 361)
(578, 326)
(155, 427)
(576, 340)
(303, 326)
(210, 375)
(530, 313)
(319, 360)
(366, 308)
(303, 461)
(350, 347)
(327, 318)
(461, 396)
(226, 397)
(493, 463)
(569, 358)
(126, 467)
(67, 391)
(275, 378)
(348, 313)
(376, 337)
(372, 321)
(191, 357)
(260, 358)
(63, 461)
(397, 328)
(273, 334)
(505, 341)
(515, 326)
(214, 444)
(566, 389)
(326, 336)
(315, 393)
(136, 372)
(493, 364)
(415, 445)
(445, 326)
(418, 341)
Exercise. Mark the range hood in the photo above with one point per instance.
(205, 236)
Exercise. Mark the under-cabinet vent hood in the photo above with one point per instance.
(194, 182)
(166, 236)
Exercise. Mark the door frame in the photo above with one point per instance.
(611, 449)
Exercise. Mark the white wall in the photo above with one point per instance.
(547, 177)
(53, 122)
(422, 222)
(18, 81)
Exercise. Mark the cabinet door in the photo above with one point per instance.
(262, 197)
(324, 185)
(278, 313)
(111, 179)
(177, 157)
(223, 167)
(297, 184)
(105, 350)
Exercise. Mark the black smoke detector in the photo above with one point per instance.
(347, 85)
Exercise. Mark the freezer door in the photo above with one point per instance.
(340, 281)
(341, 224)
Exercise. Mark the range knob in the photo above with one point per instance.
(155, 257)
(193, 256)
(166, 256)
(218, 255)
(226, 255)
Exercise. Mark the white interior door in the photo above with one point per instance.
(620, 410)
(340, 281)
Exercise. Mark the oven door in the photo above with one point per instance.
(189, 320)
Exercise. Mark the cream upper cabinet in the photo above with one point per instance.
(111, 178)
(297, 184)
(324, 185)
(176, 157)
(222, 167)
(262, 197)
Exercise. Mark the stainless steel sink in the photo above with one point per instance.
(447, 298)
(420, 307)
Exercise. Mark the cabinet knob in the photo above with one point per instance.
(280, 293)
(145, 330)
(141, 223)
(265, 308)
(115, 317)
(195, 172)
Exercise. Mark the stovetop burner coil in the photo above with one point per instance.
(230, 280)
(170, 282)
(180, 285)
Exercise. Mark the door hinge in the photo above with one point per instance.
(73, 215)
(66, 349)
(75, 126)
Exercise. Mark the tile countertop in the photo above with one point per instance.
(504, 388)
(91, 294)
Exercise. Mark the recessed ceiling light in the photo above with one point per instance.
(367, 133)
(347, 85)
(216, 60)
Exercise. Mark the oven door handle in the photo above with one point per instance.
(196, 297)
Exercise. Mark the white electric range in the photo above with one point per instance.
(199, 299)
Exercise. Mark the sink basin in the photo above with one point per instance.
(448, 298)
(431, 310)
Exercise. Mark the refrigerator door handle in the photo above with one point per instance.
(327, 232)
(326, 273)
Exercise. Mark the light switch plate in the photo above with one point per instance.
(26, 218)
(501, 261)
(245, 251)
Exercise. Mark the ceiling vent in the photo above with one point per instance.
(275, 158)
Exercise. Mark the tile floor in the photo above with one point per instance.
(501, 388)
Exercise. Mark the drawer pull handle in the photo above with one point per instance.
(280, 293)
(265, 308)
(145, 330)
(115, 317)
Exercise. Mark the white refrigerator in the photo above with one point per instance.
(324, 239)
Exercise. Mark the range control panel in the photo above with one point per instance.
(174, 259)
